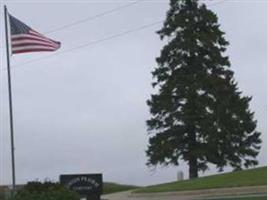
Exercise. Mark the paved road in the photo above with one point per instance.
(191, 195)
(128, 196)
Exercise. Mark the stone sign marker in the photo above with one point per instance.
(86, 185)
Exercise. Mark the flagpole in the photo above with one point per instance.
(10, 104)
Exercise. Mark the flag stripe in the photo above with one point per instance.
(36, 33)
(33, 46)
(30, 50)
(28, 36)
(32, 42)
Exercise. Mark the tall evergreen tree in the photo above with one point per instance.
(198, 113)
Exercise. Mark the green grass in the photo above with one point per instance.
(253, 177)
(114, 187)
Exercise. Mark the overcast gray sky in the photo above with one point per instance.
(84, 111)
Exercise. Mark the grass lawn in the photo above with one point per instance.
(253, 177)
(114, 187)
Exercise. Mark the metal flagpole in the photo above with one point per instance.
(10, 104)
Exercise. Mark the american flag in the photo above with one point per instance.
(24, 39)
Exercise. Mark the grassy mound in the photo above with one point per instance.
(114, 187)
(253, 177)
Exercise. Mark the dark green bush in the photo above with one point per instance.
(45, 191)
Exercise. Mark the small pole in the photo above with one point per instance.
(10, 105)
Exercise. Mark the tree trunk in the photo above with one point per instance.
(193, 169)
(193, 164)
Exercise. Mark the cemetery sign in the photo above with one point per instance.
(87, 185)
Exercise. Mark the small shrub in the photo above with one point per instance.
(45, 191)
